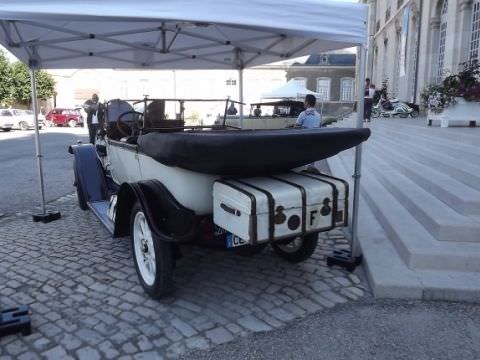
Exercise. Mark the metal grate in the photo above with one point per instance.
(475, 39)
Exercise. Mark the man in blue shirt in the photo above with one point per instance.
(309, 118)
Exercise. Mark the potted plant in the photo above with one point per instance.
(457, 98)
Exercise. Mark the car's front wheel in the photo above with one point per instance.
(296, 249)
(72, 123)
(23, 125)
(153, 258)
(49, 123)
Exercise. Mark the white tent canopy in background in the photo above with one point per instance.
(180, 34)
(291, 90)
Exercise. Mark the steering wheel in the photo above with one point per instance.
(124, 127)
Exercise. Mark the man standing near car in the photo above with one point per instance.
(95, 116)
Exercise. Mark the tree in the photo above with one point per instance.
(21, 88)
(5, 79)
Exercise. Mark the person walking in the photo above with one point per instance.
(95, 117)
(368, 103)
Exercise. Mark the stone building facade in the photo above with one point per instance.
(414, 43)
(330, 75)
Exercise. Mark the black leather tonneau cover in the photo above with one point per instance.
(248, 152)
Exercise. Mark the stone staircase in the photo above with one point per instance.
(419, 223)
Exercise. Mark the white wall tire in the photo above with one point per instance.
(72, 123)
(153, 257)
(23, 125)
(297, 249)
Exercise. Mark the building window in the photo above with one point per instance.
(324, 60)
(347, 89)
(442, 37)
(377, 26)
(231, 82)
(475, 38)
(300, 81)
(323, 88)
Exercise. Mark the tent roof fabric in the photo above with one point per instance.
(179, 34)
(291, 90)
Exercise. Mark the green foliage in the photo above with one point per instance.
(21, 89)
(15, 83)
(5, 79)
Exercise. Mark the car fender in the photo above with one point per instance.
(168, 219)
(89, 171)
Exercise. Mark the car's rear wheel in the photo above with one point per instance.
(414, 114)
(23, 125)
(72, 123)
(296, 249)
(153, 258)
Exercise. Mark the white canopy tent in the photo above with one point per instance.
(179, 34)
(291, 90)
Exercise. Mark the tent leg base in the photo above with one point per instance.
(15, 320)
(49, 216)
(344, 259)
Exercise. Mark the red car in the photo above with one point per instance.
(63, 117)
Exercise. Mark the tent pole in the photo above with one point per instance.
(38, 149)
(240, 94)
(358, 151)
(351, 259)
(44, 216)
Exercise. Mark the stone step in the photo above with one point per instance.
(438, 218)
(454, 193)
(462, 135)
(462, 171)
(415, 245)
(442, 144)
(388, 274)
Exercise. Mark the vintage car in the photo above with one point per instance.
(267, 115)
(165, 184)
(63, 117)
(18, 119)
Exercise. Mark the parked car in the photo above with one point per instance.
(166, 184)
(20, 119)
(6, 120)
(63, 117)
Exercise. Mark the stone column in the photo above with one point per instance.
(432, 55)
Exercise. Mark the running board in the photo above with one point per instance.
(100, 209)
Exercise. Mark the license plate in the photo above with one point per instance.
(234, 241)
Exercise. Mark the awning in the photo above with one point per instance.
(176, 34)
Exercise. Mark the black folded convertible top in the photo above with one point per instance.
(248, 152)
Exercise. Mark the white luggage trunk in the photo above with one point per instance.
(341, 208)
(276, 207)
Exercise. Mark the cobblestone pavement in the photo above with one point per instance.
(86, 301)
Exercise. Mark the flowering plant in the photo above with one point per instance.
(465, 84)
